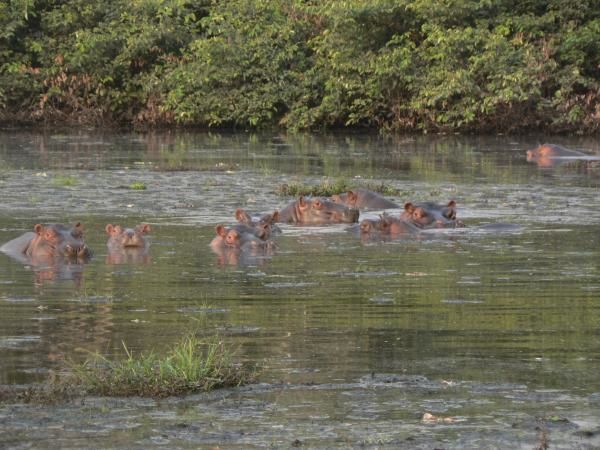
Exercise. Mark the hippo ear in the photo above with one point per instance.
(109, 228)
(409, 207)
(242, 216)
(221, 231)
(352, 196)
(38, 228)
(77, 230)
(301, 201)
(275, 216)
(451, 204)
(143, 228)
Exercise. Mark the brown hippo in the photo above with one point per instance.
(431, 215)
(241, 240)
(234, 247)
(48, 242)
(549, 155)
(262, 227)
(317, 211)
(119, 237)
(387, 225)
(363, 199)
(127, 245)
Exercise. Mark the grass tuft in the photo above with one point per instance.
(65, 181)
(137, 186)
(327, 189)
(189, 366)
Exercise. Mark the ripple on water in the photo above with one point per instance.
(14, 342)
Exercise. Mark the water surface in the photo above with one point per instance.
(494, 332)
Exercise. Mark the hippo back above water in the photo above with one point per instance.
(363, 199)
(549, 155)
(317, 211)
(48, 242)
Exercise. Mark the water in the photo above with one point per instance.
(493, 332)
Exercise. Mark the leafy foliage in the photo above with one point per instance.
(457, 65)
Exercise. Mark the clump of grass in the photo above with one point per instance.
(65, 180)
(327, 189)
(324, 189)
(189, 366)
(137, 186)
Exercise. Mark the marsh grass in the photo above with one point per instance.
(64, 181)
(137, 186)
(190, 366)
(327, 188)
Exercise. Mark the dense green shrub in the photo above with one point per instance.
(403, 65)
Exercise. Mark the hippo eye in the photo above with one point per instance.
(317, 204)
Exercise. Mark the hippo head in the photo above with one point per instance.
(262, 227)
(348, 199)
(127, 237)
(430, 215)
(321, 211)
(58, 240)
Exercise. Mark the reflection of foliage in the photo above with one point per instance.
(392, 65)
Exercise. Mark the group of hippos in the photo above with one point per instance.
(253, 234)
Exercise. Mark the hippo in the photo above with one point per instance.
(48, 242)
(317, 211)
(120, 237)
(234, 247)
(240, 240)
(127, 245)
(549, 155)
(363, 199)
(387, 225)
(431, 215)
(263, 227)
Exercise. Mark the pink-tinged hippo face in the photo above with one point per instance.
(127, 237)
(550, 155)
(431, 215)
(262, 227)
(387, 225)
(317, 211)
(55, 240)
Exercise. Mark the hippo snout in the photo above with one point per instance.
(77, 250)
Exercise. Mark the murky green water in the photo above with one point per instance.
(498, 332)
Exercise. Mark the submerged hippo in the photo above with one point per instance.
(263, 227)
(363, 199)
(127, 245)
(317, 211)
(235, 239)
(387, 225)
(548, 155)
(431, 215)
(119, 237)
(48, 242)
(235, 247)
